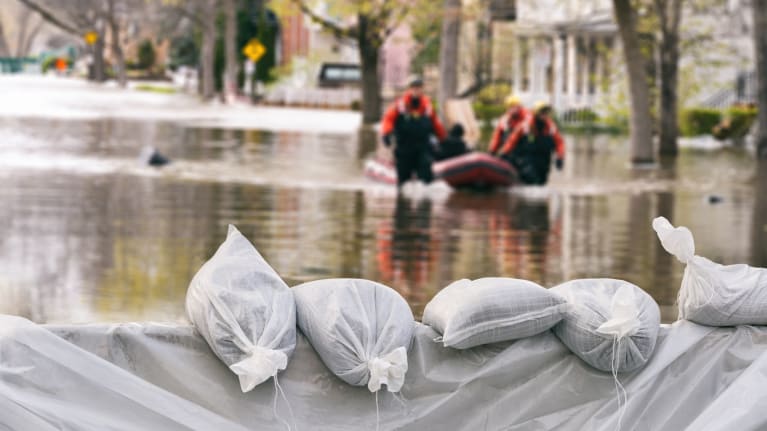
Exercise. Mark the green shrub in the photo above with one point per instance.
(487, 113)
(741, 119)
(488, 104)
(698, 121)
(146, 55)
(50, 63)
(493, 94)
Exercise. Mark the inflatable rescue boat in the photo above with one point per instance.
(471, 170)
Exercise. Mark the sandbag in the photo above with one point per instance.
(488, 310)
(244, 310)
(611, 324)
(360, 329)
(713, 294)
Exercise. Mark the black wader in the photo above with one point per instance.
(413, 153)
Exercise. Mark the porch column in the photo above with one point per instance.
(584, 64)
(571, 67)
(532, 69)
(599, 73)
(517, 64)
(558, 69)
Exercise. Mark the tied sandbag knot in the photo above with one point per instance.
(624, 318)
(389, 369)
(676, 240)
(259, 365)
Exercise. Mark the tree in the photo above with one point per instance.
(77, 17)
(202, 14)
(230, 47)
(372, 23)
(28, 30)
(4, 51)
(113, 22)
(640, 124)
(760, 47)
(207, 53)
(669, 14)
(448, 52)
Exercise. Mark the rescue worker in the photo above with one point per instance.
(411, 122)
(515, 116)
(529, 148)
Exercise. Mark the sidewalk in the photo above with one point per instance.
(77, 99)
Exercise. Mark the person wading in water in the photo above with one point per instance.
(411, 122)
(529, 148)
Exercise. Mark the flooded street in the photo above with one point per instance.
(87, 233)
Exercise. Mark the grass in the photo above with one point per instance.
(155, 89)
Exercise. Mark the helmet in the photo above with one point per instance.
(415, 81)
(541, 106)
(512, 100)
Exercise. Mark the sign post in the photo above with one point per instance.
(254, 50)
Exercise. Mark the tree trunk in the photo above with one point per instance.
(4, 52)
(669, 13)
(760, 46)
(448, 52)
(369, 45)
(23, 22)
(114, 29)
(98, 74)
(207, 54)
(639, 93)
(230, 75)
(25, 49)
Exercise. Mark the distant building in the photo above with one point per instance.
(567, 52)
(306, 47)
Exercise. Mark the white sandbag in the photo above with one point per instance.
(488, 310)
(714, 294)
(360, 329)
(244, 311)
(611, 324)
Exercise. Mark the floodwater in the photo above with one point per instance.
(89, 234)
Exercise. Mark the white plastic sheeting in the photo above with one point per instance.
(161, 377)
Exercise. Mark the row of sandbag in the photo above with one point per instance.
(362, 329)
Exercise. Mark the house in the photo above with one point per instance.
(567, 52)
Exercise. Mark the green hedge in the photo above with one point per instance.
(698, 121)
(741, 119)
(489, 103)
(488, 113)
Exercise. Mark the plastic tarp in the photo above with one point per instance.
(164, 377)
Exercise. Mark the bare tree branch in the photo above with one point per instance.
(48, 16)
(336, 29)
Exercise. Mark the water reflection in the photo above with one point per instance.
(85, 244)
(407, 251)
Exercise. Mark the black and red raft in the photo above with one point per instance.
(472, 170)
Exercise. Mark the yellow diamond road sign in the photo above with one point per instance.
(254, 50)
(91, 37)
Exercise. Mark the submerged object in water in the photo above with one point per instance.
(152, 157)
